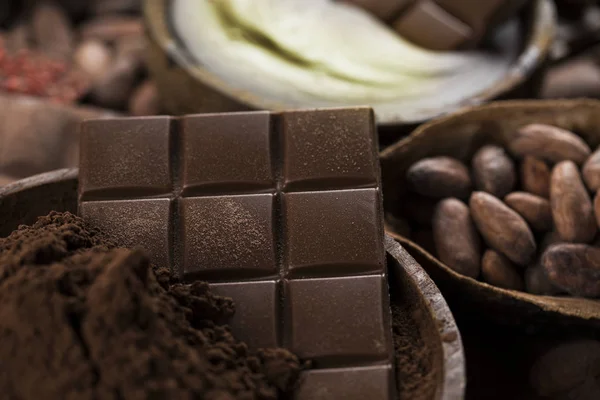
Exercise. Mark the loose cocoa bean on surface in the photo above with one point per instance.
(572, 209)
(497, 270)
(456, 241)
(493, 171)
(549, 143)
(535, 176)
(574, 268)
(591, 171)
(537, 282)
(440, 177)
(503, 229)
(534, 209)
(52, 30)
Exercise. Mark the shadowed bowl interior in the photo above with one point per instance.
(431, 341)
(186, 87)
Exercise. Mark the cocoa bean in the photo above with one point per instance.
(440, 177)
(497, 270)
(591, 171)
(535, 176)
(52, 30)
(572, 209)
(93, 57)
(493, 171)
(534, 209)
(456, 241)
(550, 143)
(503, 229)
(537, 282)
(574, 268)
(145, 100)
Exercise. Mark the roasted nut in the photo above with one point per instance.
(440, 177)
(537, 282)
(550, 143)
(456, 241)
(535, 176)
(572, 209)
(493, 171)
(497, 270)
(574, 268)
(502, 228)
(591, 171)
(535, 209)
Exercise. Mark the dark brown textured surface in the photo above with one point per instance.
(91, 321)
(282, 210)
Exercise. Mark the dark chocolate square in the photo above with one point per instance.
(143, 223)
(228, 236)
(228, 152)
(333, 232)
(256, 315)
(337, 319)
(329, 149)
(359, 383)
(125, 156)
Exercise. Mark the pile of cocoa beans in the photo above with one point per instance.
(523, 217)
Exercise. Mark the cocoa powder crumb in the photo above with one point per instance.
(83, 319)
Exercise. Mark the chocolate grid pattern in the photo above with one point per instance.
(282, 283)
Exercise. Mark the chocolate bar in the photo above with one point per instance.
(441, 24)
(280, 211)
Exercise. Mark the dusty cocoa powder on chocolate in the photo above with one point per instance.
(82, 319)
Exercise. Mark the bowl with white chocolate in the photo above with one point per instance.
(210, 56)
(500, 205)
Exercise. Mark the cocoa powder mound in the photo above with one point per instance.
(82, 319)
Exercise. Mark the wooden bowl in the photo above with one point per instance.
(460, 135)
(428, 335)
(186, 87)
